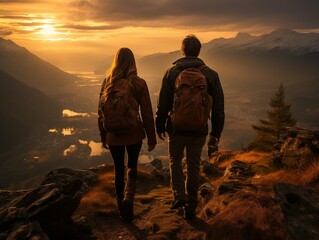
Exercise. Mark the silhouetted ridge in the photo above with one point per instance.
(32, 70)
(22, 108)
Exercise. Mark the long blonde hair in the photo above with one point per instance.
(123, 66)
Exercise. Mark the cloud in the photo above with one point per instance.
(5, 32)
(190, 13)
(24, 1)
(89, 27)
(19, 17)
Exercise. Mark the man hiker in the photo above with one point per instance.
(190, 93)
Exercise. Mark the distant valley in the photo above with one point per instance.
(22, 109)
(251, 69)
(34, 93)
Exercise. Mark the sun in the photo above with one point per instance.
(47, 30)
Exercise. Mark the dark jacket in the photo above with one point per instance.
(142, 96)
(166, 96)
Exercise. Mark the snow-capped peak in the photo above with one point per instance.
(292, 40)
(296, 42)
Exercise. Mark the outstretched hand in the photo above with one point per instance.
(161, 136)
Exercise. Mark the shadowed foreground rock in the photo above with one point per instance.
(300, 206)
(297, 148)
(45, 212)
(236, 177)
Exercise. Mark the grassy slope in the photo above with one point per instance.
(247, 214)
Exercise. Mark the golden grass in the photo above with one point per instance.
(248, 216)
(311, 176)
(101, 199)
(307, 177)
(247, 157)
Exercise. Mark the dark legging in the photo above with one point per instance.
(117, 152)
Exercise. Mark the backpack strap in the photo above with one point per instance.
(201, 67)
(134, 93)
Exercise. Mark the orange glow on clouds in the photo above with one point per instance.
(47, 30)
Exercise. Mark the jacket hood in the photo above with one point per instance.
(188, 62)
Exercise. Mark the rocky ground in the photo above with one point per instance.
(243, 196)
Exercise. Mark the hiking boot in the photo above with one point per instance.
(128, 213)
(120, 206)
(129, 193)
(177, 204)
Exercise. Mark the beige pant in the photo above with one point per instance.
(193, 147)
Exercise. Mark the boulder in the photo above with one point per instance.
(103, 168)
(7, 195)
(238, 170)
(296, 148)
(46, 211)
(234, 186)
(224, 156)
(210, 170)
(206, 191)
(156, 164)
(56, 201)
(236, 177)
(300, 206)
(88, 177)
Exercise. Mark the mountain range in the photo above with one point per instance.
(22, 109)
(32, 70)
(229, 56)
(296, 42)
(250, 68)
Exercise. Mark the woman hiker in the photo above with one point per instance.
(125, 119)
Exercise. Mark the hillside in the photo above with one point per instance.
(243, 196)
(22, 109)
(33, 71)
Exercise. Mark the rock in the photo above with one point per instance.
(6, 196)
(88, 177)
(300, 206)
(237, 170)
(51, 206)
(236, 177)
(103, 168)
(224, 156)
(297, 148)
(210, 169)
(82, 223)
(57, 200)
(166, 175)
(206, 192)
(234, 186)
(156, 164)
(16, 225)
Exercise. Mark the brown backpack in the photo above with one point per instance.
(192, 103)
(121, 109)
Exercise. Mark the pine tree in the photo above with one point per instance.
(269, 131)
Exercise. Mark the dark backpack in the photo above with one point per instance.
(121, 109)
(192, 103)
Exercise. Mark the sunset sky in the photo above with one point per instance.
(76, 32)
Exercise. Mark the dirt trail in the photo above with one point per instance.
(153, 220)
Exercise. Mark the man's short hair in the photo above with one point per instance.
(191, 46)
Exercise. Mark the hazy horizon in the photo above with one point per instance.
(76, 34)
